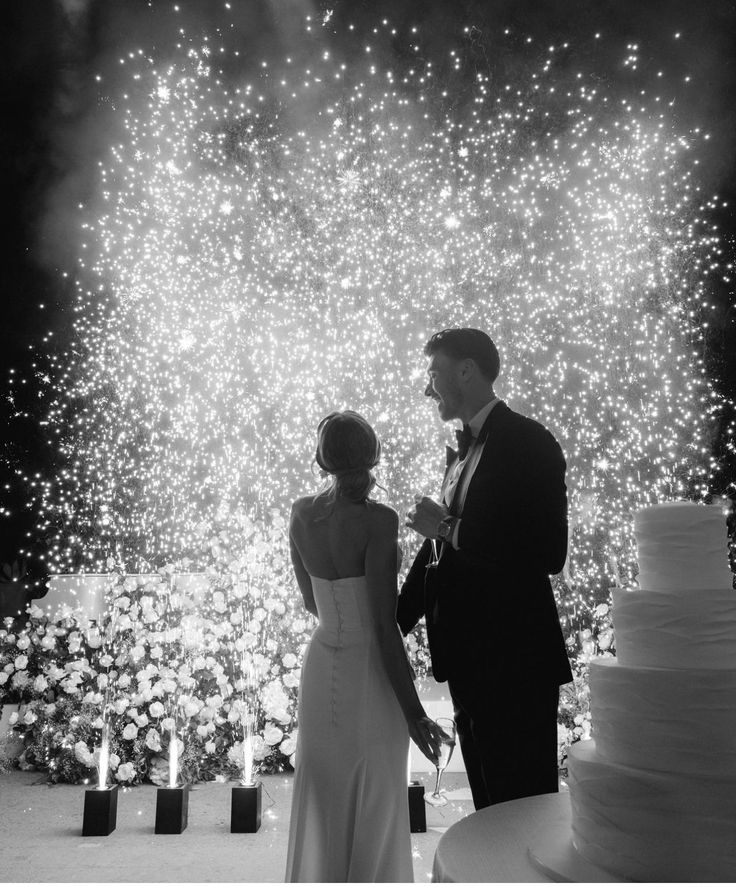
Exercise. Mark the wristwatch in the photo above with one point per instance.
(446, 528)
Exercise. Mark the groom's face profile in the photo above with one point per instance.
(444, 385)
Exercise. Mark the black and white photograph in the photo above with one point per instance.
(368, 453)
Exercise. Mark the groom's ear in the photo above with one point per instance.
(467, 368)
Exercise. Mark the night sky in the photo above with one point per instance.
(57, 123)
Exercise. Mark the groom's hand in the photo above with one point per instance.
(426, 516)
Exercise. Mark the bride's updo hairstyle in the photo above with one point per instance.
(348, 449)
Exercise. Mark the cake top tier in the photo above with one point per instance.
(682, 545)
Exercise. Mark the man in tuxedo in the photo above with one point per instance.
(500, 530)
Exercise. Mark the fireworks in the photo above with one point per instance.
(265, 252)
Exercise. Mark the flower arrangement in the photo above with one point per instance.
(196, 660)
(200, 661)
(574, 720)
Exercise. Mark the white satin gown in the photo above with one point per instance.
(350, 812)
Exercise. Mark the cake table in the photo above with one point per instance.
(521, 841)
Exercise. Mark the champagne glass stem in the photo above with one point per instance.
(437, 783)
(435, 557)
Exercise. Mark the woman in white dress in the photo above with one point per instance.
(357, 702)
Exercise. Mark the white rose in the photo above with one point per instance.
(48, 642)
(21, 662)
(272, 734)
(210, 747)
(30, 717)
(288, 746)
(191, 709)
(23, 642)
(3, 678)
(289, 660)
(20, 679)
(40, 684)
(120, 705)
(291, 680)
(106, 660)
(202, 730)
(153, 740)
(125, 772)
(142, 720)
(260, 749)
(13, 719)
(130, 731)
(49, 709)
(156, 709)
(83, 754)
(156, 652)
(168, 724)
(124, 681)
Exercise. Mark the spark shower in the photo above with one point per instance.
(264, 249)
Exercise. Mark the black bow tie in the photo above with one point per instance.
(464, 440)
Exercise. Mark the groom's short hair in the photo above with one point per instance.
(466, 342)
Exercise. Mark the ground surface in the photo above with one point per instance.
(41, 835)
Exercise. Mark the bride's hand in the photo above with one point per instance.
(428, 737)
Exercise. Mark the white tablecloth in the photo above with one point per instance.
(492, 845)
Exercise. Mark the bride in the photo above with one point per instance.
(357, 702)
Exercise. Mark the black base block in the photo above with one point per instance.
(245, 811)
(172, 810)
(417, 811)
(100, 811)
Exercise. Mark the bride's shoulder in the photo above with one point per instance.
(382, 516)
(302, 506)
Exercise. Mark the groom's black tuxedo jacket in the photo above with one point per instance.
(489, 607)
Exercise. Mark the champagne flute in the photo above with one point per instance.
(447, 746)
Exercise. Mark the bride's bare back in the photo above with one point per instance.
(332, 537)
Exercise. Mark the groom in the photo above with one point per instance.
(500, 531)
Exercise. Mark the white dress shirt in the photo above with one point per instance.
(462, 474)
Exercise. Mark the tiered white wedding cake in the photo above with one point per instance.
(654, 792)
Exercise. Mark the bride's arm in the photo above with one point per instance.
(302, 577)
(380, 571)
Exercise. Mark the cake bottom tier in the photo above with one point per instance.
(647, 826)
